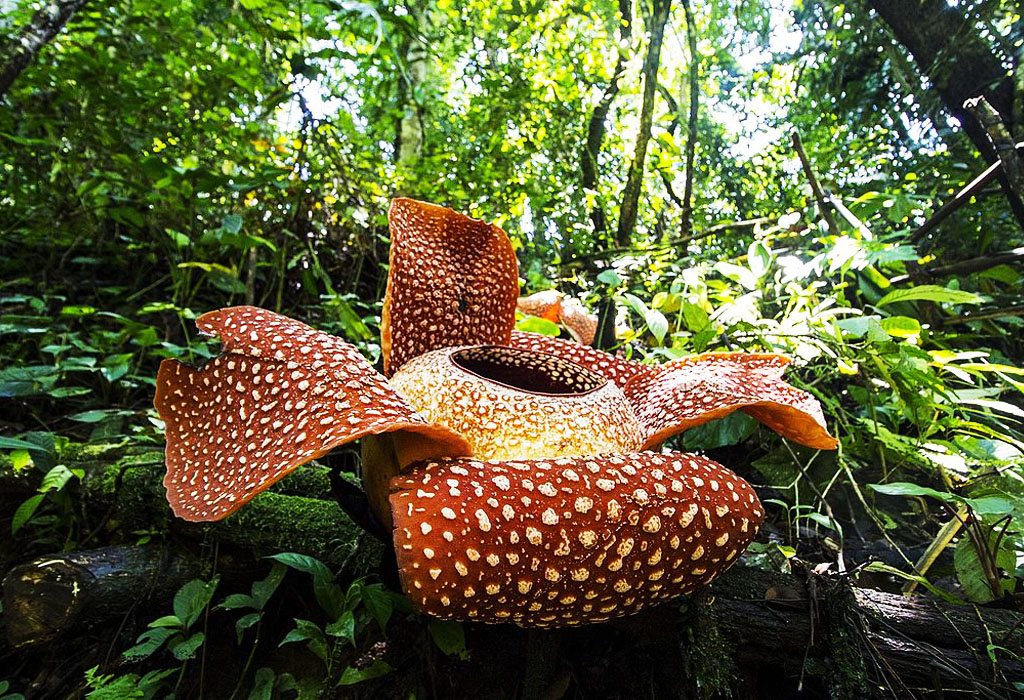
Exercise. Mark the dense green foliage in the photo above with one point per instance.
(161, 159)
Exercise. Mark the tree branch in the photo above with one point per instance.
(19, 51)
(819, 194)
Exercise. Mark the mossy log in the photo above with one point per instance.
(297, 515)
(862, 638)
(49, 596)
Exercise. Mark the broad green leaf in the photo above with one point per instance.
(696, 317)
(656, 323)
(147, 643)
(25, 512)
(379, 602)
(188, 648)
(55, 479)
(344, 627)
(263, 683)
(263, 589)
(192, 598)
(245, 622)
(535, 324)
(166, 621)
(901, 326)
(308, 631)
(930, 292)
(352, 675)
(448, 635)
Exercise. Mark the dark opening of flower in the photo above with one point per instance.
(514, 468)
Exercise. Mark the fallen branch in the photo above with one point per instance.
(52, 595)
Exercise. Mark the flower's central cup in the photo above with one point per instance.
(518, 404)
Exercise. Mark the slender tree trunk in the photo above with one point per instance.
(634, 179)
(410, 136)
(686, 219)
(20, 50)
(959, 64)
(596, 128)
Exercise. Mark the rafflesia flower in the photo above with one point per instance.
(520, 474)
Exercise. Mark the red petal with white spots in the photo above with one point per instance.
(568, 541)
(615, 369)
(453, 281)
(282, 395)
(682, 394)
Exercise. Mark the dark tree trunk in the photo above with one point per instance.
(686, 219)
(20, 50)
(634, 179)
(597, 125)
(958, 62)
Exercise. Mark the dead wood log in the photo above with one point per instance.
(49, 596)
(905, 644)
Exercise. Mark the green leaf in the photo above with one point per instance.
(448, 635)
(55, 479)
(7, 443)
(166, 621)
(263, 683)
(902, 488)
(328, 594)
(192, 598)
(262, 590)
(883, 568)
(656, 323)
(237, 600)
(901, 326)
(232, 223)
(25, 512)
(187, 649)
(379, 602)
(353, 675)
(245, 622)
(21, 460)
(536, 324)
(148, 642)
(344, 627)
(308, 631)
(969, 572)
(930, 292)
(610, 277)
(695, 317)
